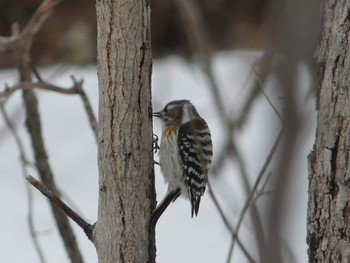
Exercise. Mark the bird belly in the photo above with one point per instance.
(171, 165)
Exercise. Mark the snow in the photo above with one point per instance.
(72, 155)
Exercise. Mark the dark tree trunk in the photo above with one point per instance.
(329, 171)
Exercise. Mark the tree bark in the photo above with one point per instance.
(329, 171)
(125, 158)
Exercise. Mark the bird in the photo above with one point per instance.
(185, 154)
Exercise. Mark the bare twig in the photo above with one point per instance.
(250, 199)
(61, 205)
(265, 66)
(25, 38)
(76, 88)
(265, 63)
(255, 216)
(227, 224)
(24, 162)
(87, 105)
(260, 85)
(21, 44)
(262, 191)
(199, 40)
(27, 85)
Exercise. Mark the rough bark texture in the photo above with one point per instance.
(126, 180)
(329, 179)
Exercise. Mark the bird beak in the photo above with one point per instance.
(157, 114)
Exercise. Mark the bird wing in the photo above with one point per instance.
(195, 148)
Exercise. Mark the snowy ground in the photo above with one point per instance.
(72, 154)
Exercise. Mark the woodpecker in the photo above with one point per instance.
(185, 154)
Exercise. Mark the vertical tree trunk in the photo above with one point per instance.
(126, 176)
(329, 179)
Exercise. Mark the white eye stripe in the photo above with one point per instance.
(171, 106)
(187, 116)
(176, 103)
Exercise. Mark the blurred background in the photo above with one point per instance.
(258, 65)
(69, 36)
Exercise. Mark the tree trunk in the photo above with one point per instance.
(329, 180)
(126, 175)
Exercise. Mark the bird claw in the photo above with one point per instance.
(155, 144)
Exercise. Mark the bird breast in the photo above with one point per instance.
(170, 162)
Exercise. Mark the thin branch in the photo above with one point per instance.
(25, 38)
(265, 66)
(263, 187)
(28, 85)
(87, 106)
(21, 51)
(24, 162)
(260, 194)
(265, 95)
(76, 88)
(61, 205)
(265, 63)
(255, 216)
(35, 71)
(39, 18)
(227, 224)
(199, 40)
(250, 198)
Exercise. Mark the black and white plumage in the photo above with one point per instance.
(195, 149)
(185, 153)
